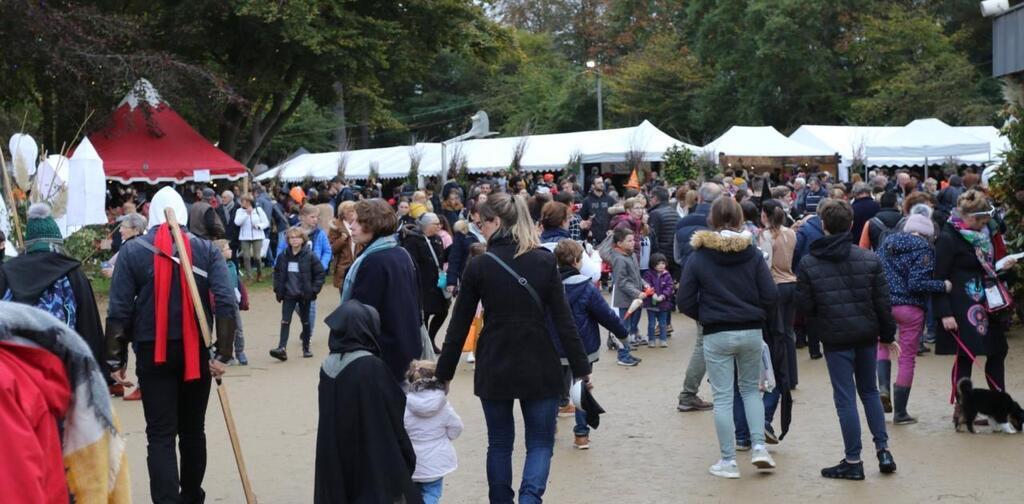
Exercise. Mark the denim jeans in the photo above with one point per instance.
(853, 374)
(695, 370)
(312, 317)
(431, 491)
(633, 323)
(734, 357)
(659, 319)
(539, 417)
(739, 413)
(288, 307)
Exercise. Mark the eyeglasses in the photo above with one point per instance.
(987, 213)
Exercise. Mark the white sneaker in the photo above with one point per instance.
(761, 459)
(725, 469)
(470, 358)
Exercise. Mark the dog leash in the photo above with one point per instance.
(956, 364)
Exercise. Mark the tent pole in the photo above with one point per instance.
(926, 167)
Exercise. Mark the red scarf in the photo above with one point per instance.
(162, 271)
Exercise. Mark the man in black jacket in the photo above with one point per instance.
(843, 293)
(662, 221)
(594, 211)
(685, 228)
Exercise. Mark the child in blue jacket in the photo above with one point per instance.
(589, 310)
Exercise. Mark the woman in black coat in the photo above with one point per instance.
(515, 357)
(963, 311)
(382, 276)
(429, 256)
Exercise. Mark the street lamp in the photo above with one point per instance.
(591, 64)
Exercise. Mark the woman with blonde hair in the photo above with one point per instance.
(519, 287)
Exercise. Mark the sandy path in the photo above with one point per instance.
(644, 452)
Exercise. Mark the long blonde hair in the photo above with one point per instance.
(514, 214)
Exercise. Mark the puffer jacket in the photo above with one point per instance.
(589, 311)
(842, 291)
(909, 263)
(726, 284)
(662, 221)
(432, 425)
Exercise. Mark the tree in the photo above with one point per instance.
(911, 69)
(663, 83)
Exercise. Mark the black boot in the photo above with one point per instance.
(305, 349)
(845, 470)
(884, 378)
(900, 396)
(886, 464)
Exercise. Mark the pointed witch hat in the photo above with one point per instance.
(634, 181)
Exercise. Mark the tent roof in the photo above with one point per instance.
(542, 152)
(761, 141)
(847, 139)
(929, 138)
(157, 145)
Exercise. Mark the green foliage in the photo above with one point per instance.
(84, 244)
(1008, 188)
(683, 165)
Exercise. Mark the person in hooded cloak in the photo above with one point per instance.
(363, 453)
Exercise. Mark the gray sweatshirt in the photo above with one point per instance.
(628, 283)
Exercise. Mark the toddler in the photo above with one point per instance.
(432, 425)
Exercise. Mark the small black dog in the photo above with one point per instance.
(1005, 414)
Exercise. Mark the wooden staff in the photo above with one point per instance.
(222, 391)
(12, 203)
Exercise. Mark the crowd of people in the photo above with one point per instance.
(865, 274)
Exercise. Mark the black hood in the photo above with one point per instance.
(567, 271)
(833, 248)
(354, 326)
(28, 275)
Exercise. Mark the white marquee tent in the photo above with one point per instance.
(926, 138)
(542, 152)
(761, 141)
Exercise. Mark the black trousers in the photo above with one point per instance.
(174, 409)
(434, 321)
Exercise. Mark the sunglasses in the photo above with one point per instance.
(987, 213)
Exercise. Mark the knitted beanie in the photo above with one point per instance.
(919, 224)
(41, 232)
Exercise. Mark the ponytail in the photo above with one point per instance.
(514, 214)
(523, 230)
(775, 213)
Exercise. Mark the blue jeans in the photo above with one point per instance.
(632, 323)
(431, 491)
(539, 417)
(853, 374)
(739, 414)
(659, 318)
(734, 357)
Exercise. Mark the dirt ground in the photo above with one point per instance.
(644, 452)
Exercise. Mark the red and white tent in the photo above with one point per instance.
(147, 141)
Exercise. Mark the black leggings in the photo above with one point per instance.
(434, 321)
(995, 367)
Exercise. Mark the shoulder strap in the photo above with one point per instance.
(521, 280)
(149, 246)
(430, 247)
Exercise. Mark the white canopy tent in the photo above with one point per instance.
(925, 139)
(760, 141)
(87, 189)
(541, 152)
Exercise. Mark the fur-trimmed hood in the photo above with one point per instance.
(723, 247)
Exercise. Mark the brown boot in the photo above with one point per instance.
(582, 443)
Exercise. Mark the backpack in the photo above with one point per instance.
(884, 232)
(605, 248)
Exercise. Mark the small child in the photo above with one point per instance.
(628, 285)
(589, 312)
(478, 321)
(659, 305)
(225, 252)
(298, 277)
(432, 425)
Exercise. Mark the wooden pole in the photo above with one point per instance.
(11, 202)
(222, 392)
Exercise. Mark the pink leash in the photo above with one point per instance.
(956, 363)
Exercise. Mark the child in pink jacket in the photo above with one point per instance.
(432, 425)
